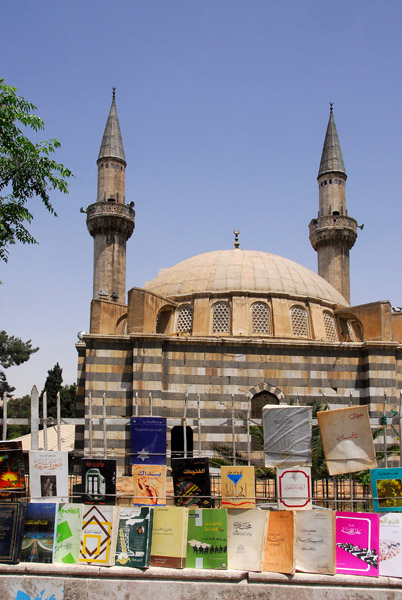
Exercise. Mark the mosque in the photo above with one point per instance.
(216, 337)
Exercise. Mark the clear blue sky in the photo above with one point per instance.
(223, 106)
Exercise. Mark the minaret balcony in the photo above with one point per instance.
(104, 217)
(333, 230)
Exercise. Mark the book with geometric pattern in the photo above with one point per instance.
(99, 535)
(68, 533)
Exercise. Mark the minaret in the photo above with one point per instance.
(333, 233)
(110, 222)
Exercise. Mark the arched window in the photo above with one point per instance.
(299, 321)
(260, 318)
(220, 317)
(184, 322)
(164, 321)
(330, 327)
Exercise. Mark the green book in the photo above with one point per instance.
(207, 539)
(134, 537)
(68, 533)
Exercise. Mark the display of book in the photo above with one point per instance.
(287, 435)
(294, 488)
(207, 539)
(391, 544)
(68, 533)
(149, 483)
(12, 471)
(238, 486)
(315, 541)
(247, 535)
(347, 439)
(357, 543)
(148, 441)
(48, 475)
(39, 532)
(279, 548)
(134, 537)
(386, 485)
(12, 518)
(99, 535)
(98, 481)
(191, 482)
(169, 537)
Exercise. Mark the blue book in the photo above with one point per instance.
(386, 485)
(12, 517)
(148, 441)
(39, 532)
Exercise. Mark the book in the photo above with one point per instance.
(12, 471)
(191, 483)
(98, 480)
(391, 544)
(294, 488)
(386, 485)
(39, 532)
(48, 475)
(315, 541)
(99, 535)
(149, 485)
(134, 537)
(347, 440)
(169, 537)
(247, 535)
(238, 487)
(68, 533)
(148, 441)
(12, 518)
(207, 539)
(279, 547)
(357, 543)
(287, 435)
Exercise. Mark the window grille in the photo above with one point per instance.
(260, 318)
(184, 319)
(351, 331)
(158, 321)
(220, 317)
(329, 326)
(299, 321)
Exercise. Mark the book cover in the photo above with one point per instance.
(148, 441)
(357, 543)
(12, 518)
(347, 440)
(191, 483)
(149, 485)
(247, 535)
(315, 541)
(391, 544)
(48, 475)
(207, 546)
(39, 532)
(279, 548)
(169, 537)
(134, 537)
(98, 480)
(238, 487)
(294, 488)
(99, 535)
(386, 485)
(68, 533)
(12, 471)
(287, 435)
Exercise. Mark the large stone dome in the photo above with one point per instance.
(242, 271)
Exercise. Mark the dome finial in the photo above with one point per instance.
(331, 106)
(236, 242)
(114, 92)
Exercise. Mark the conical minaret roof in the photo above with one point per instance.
(331, 159)
(112, 142)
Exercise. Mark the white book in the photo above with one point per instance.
(315, 541)
(287, 435)
(391, 544)
(294, 488)
(247, 535)
(48, 476)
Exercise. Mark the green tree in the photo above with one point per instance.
(13, 351)
(53, 385)
(18, 408)
(26, 169)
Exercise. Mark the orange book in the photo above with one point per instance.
(279, 549)
(238, 487)
(149, 485)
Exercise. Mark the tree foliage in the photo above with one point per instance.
(53, 385)
(27, 169)
(13, 351)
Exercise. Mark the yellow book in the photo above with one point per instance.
(279, 549)
(169, 537)
(238, 487)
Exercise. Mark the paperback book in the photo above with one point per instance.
(386, 485)
(238, 487)
(287, 435)
(134, 537)
(39, 532)
(169, 537)
(149, 485)
(207, 539)
(12, 517)
(294, 488)
(247, 535)
(98, 481)
(68, 533)
(357, 543)
(12, 471)
(191, 483)
(48, 476)
(99, 535)
(315, 541)
(279, 548)
(391, 544)
(148, 441)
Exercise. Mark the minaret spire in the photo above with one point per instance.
(112, 142)
(333, 233)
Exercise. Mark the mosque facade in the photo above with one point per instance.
(216, 337)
